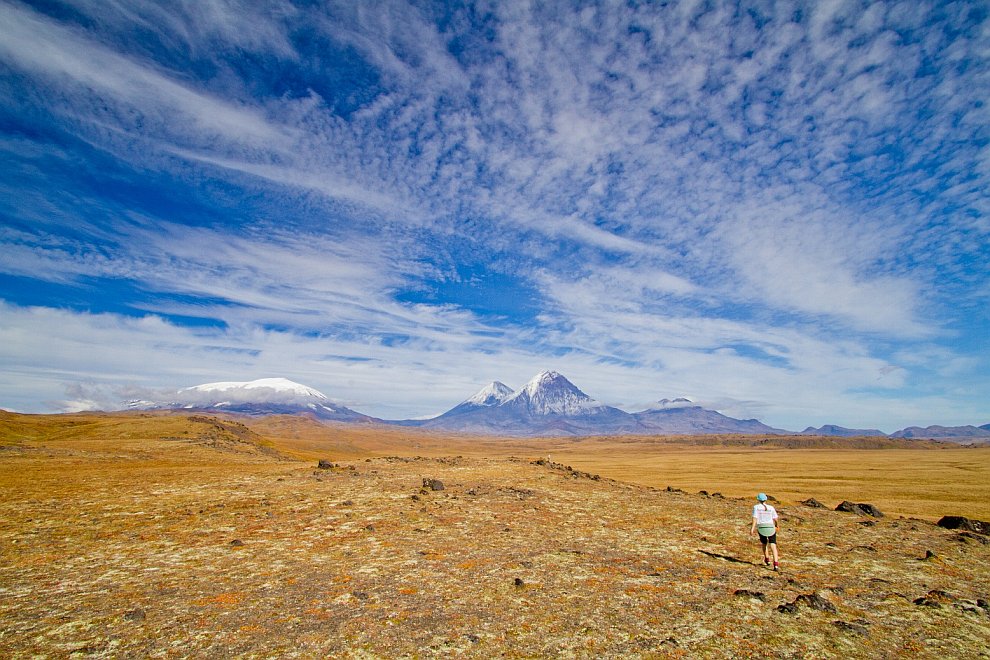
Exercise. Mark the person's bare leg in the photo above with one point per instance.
(776, 557)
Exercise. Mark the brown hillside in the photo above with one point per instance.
(169, 535)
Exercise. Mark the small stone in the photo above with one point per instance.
(324, 464)
(929, 555)
(787, 608)
(813, 503)
(237, 543)
(759, 595)
(519, 582)
(432, 484)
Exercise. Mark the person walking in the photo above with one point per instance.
(766, 524)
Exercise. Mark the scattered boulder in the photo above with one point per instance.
(813, 601)
(788, 608)
(813, 503)
(929, 555)
(935, 598)
(965, 524)
(432, 484)
(519, 582)
(860, 508)
(759, 595)
(237, 543)
(671, 489)
(324, 464)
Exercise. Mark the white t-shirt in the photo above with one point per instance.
(764, 514)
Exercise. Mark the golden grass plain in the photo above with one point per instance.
(907, 478)
(197, 536)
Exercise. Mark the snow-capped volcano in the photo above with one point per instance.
(549, 404)
(265, 396)
(266, 388)
(549, 393)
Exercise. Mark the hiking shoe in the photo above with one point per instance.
(776, 566)
(766, 562)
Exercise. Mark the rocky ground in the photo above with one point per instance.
(122, 554)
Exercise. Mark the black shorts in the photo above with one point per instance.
(768, 539)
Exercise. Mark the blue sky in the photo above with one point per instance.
(779, 210)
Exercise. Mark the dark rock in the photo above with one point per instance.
(788, 608)
(703, 492)
(759, 595)
(135, 615)
(868, 523)
(935, 598)
(237, 543)
(369, 528)
(861, 508)
(771, 498)
(432, 484)
(348, 503)
(671, 489)
(360, 595)
(963, 523)
(979, 538)
(324, 464)
(857, 628)
(718, 496)
(929, 555)
(813, 503)
(815, 602)
(415, 498)
(518, 582)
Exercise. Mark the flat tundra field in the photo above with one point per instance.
(186, 535)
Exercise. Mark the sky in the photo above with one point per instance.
(779, 210)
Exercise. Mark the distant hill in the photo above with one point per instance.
(548, 405)
(950, 433)
(831, 430)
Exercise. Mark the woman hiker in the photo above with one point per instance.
(765, 523)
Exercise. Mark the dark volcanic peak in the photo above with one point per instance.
(832, 430)
(695, 420)
(944, 433)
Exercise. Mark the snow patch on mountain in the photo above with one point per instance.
(491, 395)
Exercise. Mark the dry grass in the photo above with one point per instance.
(116, 540)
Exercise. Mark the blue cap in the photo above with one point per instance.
(762, 497)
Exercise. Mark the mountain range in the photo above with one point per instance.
(548, 405)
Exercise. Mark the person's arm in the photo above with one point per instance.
(752, 530)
